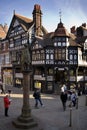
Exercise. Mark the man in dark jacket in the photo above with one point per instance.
(37, 97)
(63, 97)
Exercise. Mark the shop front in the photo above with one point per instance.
(7, 77)
(18, 80)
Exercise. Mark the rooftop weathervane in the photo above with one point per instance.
(60, 14)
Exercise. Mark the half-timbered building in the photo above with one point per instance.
(59, 58)
(22, 31)
(56, 57)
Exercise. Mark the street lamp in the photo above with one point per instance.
(25, 120)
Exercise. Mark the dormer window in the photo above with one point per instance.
(59, 39)
(63, 39)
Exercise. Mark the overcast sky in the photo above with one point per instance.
(73, 11)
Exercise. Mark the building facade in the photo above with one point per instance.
(56, 57)
(60, 57)
(22, 31)
(5, 64)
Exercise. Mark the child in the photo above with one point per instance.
(7, 102)
(73, 98)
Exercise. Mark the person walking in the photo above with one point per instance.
(37, 97)
(1, 86)
(63, 97)
(73, 98)
(63, 88)
(7, 102)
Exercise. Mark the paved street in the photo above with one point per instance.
(49, 117)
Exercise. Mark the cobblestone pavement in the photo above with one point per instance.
(49, 117)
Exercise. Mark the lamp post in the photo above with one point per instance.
(25, 120)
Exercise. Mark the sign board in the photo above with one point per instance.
(60, 69)
(38, 85)
(18, 75)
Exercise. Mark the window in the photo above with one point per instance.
(55, 43)
(59, 43)
(63, 39)
(75, 57)
(13, 56)
(6, 58)
(51, 56)
(47, 56)
(11, 45)
(24, 41)
(63, 44)
(71, 57)
(3, 59)
(42, 55)
(17, 42)
(59, 39)
(60, 54)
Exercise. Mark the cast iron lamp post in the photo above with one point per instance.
(25, 120)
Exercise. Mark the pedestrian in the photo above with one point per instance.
(37, 97)
(73, 98)
(1, 86)
(85, 90)
(63, 88)
(7, 102)
(63, 97)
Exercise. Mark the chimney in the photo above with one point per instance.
(73, 29)
(37, 18)
(84, 25)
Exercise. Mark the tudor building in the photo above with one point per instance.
(56, 57)
(22, 31)
(60, 57)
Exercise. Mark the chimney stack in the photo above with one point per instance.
(84, 25)
(73, 29)
(37, 19)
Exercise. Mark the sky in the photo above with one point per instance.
(73, 12)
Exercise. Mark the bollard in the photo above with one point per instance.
(70, 121)
(77, 103)
(86, 101)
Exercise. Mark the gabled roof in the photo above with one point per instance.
(25, 22)
(23, 18)
(82, 27)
